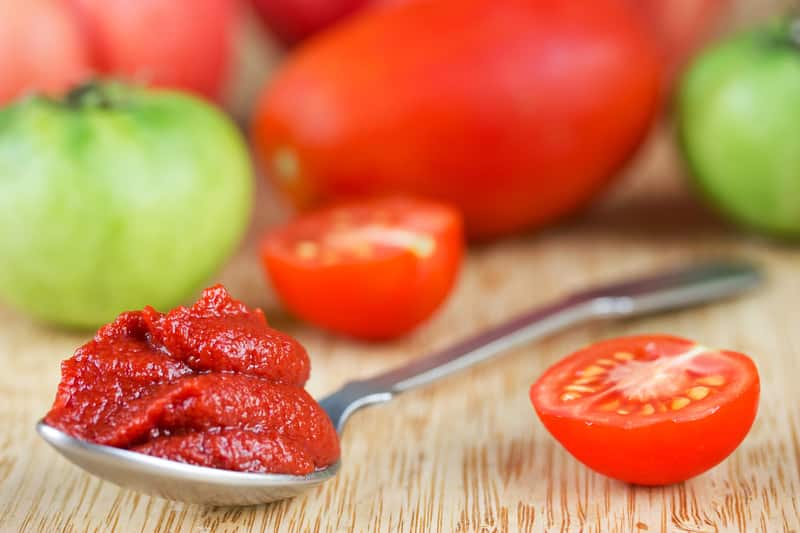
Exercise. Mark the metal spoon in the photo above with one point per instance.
(177, 481)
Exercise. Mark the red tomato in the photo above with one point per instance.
(174, 43)
(517, 112)
(40, 48)
(373, 270)
(679, 26)
(294, 20)
(650, 410)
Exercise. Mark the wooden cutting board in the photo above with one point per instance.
(468, 454)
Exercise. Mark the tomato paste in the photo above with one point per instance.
(210, 385)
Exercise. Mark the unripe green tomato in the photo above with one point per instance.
(739, 110)
(116, 197)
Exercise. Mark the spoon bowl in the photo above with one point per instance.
(665, 291)
(180, 481)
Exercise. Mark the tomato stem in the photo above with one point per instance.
(93, 93)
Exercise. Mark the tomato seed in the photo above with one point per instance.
(424, 246)
(569, 396)
(592, 370)
(698, 393)
(578, 388)
(624, 356)
(306, 249)
(648, 409)
(680, 402)
(714, 381)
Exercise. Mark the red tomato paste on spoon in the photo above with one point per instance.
(211, 385)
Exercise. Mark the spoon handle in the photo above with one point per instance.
(664, 291)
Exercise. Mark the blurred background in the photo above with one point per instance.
(116, 197)
(684, 24)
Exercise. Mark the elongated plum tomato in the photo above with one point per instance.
(650, 410)
(372, 270)
(517, 112)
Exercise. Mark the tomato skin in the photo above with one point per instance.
(659, 453)
(479, 103)
(378, 299)
(181, 44)
(29, 62)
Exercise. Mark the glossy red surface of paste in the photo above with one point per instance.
(210, 385)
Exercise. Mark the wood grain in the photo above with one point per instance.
(468, 454)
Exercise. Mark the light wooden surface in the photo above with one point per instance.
(468, 454)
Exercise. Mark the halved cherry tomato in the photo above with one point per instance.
(373, 269)
(650, 410)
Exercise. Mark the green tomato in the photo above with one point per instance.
(739, 112)
(115, 198)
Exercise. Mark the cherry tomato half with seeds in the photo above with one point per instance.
(650, 410)
(372, 269)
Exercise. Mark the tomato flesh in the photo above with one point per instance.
(373, 269)
(649, 410)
